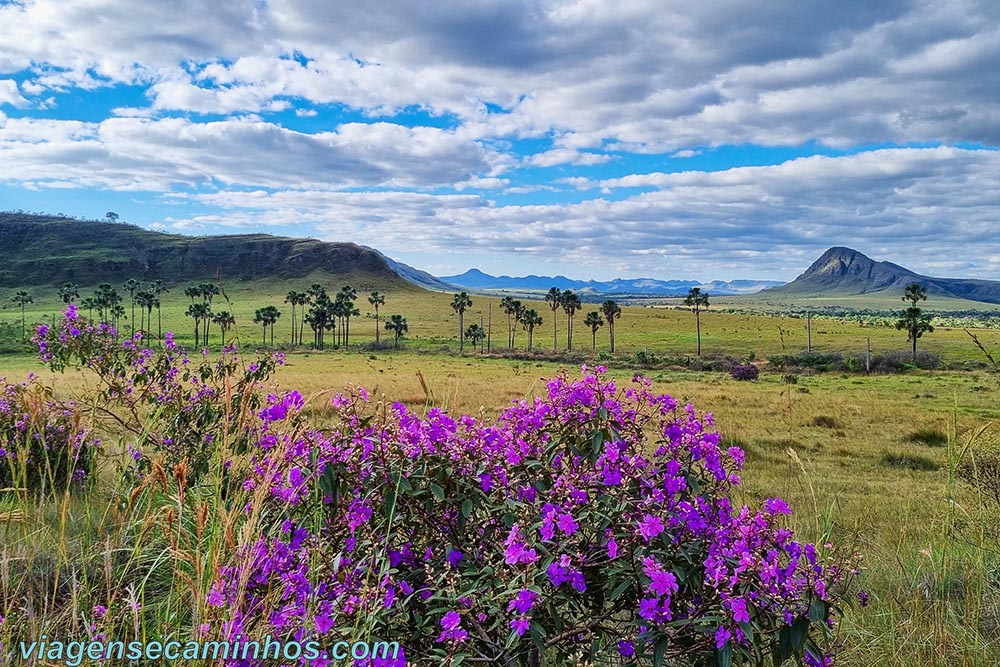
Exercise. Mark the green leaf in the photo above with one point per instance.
(437, 491)
(659, 651)
(467, 507)
(817, 610)
(724, 656)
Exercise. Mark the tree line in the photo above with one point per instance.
(313, 308)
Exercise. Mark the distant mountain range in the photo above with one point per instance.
(846, 272)
(475, 279)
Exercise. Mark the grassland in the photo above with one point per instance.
(872, 455)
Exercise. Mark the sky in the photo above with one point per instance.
(718, 139)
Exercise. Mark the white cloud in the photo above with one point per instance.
(9, 94)
(910, 205)
(135, 153)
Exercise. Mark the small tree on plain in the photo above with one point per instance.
(397, 325)
(594, 321)
(697, 301)
(913, 320)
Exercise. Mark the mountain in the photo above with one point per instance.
(51, 250)
(415, 276)
(846, 272)
(475, 279)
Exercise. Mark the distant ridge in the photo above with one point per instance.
(477, 280)
(51, 250)
(846, 272)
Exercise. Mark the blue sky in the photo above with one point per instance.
(592, 139)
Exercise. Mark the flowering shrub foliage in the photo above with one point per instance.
(744, 372)
(43, 443)
(168, 402)
(593, 524)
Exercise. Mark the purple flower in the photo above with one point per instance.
(566, 524)
(722, 636)
(626, 649)
(739, 608)
(454, 557)
(776, 506)
(451, 623)
(650, 527)
(520, 625)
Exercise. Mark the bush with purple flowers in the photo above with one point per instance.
(165, 400)
(593, 524)
(747, 372)
(44, 444)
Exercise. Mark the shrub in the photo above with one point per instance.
(744, 372)
(166, 401)
(917, 462)
(928, 436)
(589, 525)
(43, 444)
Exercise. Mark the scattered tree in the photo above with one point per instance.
(198, 312)
(225, 321)
(158, 288)
(594, 321)
(531, 319)
(22, 299)
(69, 293)
(112, 216)
(397, 325)
(611, 311)
(460, 304)
(476, 334)
(132, 286)
(554, 299)
(697, 301)
(570, 305)
(267, 317)
(376, 299)
(913, 320)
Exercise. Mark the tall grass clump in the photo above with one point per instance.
(593, 524)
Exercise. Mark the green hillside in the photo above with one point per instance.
(38, 251)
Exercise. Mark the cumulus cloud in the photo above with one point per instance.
(909, 205)
(129, 153)
(438, 111)
(638, 75)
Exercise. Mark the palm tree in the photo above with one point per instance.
(158, 288)
(320, 317)
(293, 298)
(198, 312)
(554, 299)
(132, 286)
(346, 297)
(225, 320)
(460, 304)
(208, 291)
(696, 301)
(22, 299)
(913, 320)
(268, 317)
(611, 312)
(531, 319)
(397, 324)
(69, 292)
(570, 305)
(376, 299)
(517, 315)
(594, 321)
(476, 334)
(90, 303)
(193, 292)
(145, 299)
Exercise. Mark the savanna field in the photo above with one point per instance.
(423, 496)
